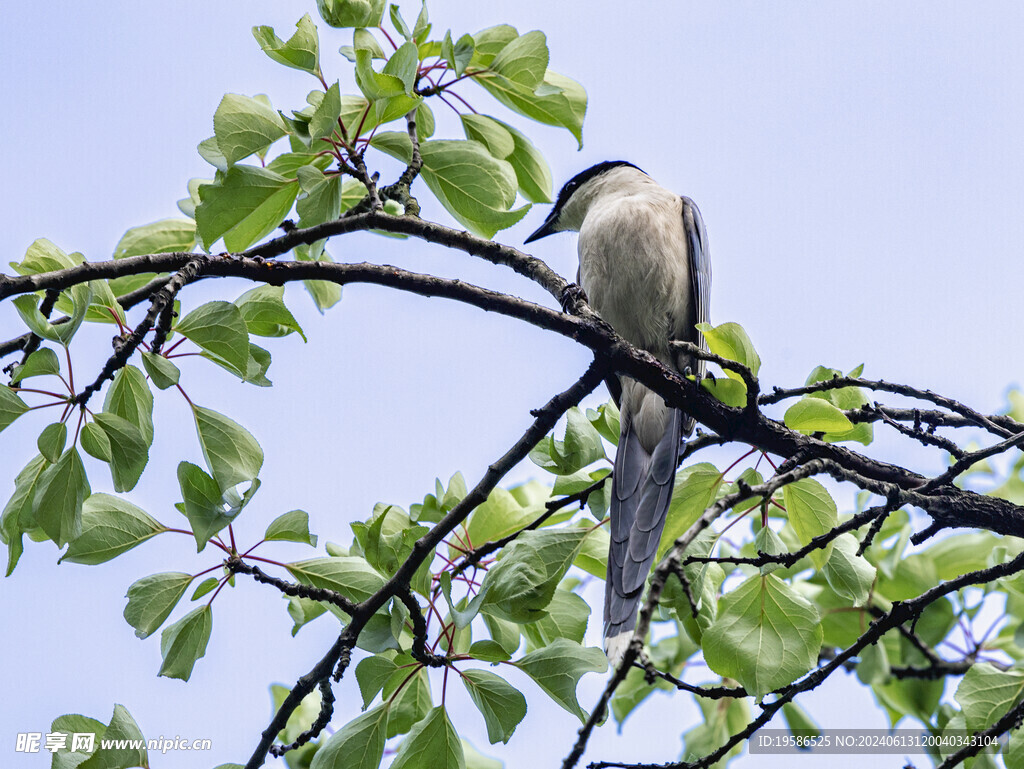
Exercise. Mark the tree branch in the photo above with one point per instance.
(544, 422)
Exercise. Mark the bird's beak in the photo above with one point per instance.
(548, 228)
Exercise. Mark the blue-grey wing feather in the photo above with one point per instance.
(638, 519)
(700, 265)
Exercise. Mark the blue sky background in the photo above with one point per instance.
(859, 168)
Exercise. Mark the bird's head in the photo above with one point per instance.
(575, 198)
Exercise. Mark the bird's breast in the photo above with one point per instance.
(634, 267)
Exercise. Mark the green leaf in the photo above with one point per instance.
(490, 133)
(291, 527)
(376, 85)
(490, 41)
(110, 526)
(71, 724)
(303, 611)
(322, 199)
(188, 205)
(532, 171)
(489, 651)
(813, 415)
(81, 297)
(458, 55)
(363, 40)
(122, 731)
(51, 441)
(45, 256)
(812, 512)
(799, 720)
(161, 237)
(103, 305)
(915, 697)
(151, 600)
(324, 293)
(288, 164)
(986, 693)
(729, 391)
(243, 126)
(357, 113)
(767, 542)
(461, 617)
(399, 23)
(567, 616)
(582, 445)
(204, 588)
(402, 64)
(425, 123)
(524, 60)
(57, 503)
(850, 575)
(371, 675)
(562, 102)
(593, 556)
(387, 538)
(476, 188)
(524, 580)
(433, 743)
(766, 635)
(357, 745)
(184, 642)
(95, 442)
(302, 51)
(730, 341)
(874, 668)
(129, 397)
(557, 669)
(477, 760)
(27, 307)
(350, 576)
(17, 516)
(11, 406)
(243, 206)
(695, 489)
(162, 371)
(351, 13)
(324, 122)
(845, 399)
(209, 151)
(422, 27)
(129, 451)
(501, 704)
(265, 313)
(231, 453)
(410, 705)
(219, 328)
(203, 503)
(40, 363)
(1013, 752)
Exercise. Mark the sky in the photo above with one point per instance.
(858, 166)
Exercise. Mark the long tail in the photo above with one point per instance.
(641, 492)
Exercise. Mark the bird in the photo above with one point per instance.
(645, 269)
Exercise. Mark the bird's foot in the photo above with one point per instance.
(572, 295)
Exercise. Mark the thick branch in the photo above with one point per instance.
(127, 301)
(950, 506)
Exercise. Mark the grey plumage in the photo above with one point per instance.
(645, 269)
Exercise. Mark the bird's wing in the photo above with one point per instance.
(700, 268)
